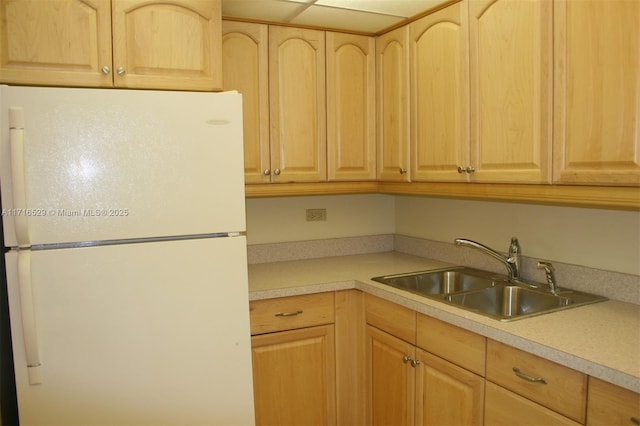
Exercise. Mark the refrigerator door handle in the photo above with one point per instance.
(19, 211)
(27, 311)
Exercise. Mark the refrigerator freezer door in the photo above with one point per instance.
(103, 164)
(145, 334)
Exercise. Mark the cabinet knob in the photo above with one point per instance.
(403, 171)
(266, 172)
(276, 172)
(468, 169)
(414, 362)
(105, 70)
(121, 71)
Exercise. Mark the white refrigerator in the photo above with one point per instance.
(127, 274)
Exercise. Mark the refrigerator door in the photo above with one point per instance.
(143, 333)
(82, 165)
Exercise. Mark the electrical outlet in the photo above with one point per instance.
(316, 215)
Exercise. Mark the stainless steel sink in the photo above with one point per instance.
(508, 301)
(440, 282)
(488, 294)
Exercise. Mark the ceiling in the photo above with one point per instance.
(363, 16)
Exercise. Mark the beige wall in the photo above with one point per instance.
(602, 239)
(273, 220)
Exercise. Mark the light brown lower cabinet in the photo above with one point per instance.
(348, 358)
(293, 355)
(409, 386)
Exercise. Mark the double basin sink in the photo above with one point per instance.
(488, 294)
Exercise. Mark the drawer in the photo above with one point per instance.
(611, 405)
(391, 317)
(505, 408)
(552, 385)
(287, 313)
(455, 344)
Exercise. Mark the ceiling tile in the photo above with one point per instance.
(403, 8)
(264, 10)
(329, 17)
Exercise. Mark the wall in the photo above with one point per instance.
(601, 239)
(273, 220)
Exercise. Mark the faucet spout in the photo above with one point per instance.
(512, 261)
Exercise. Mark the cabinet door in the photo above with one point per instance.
(447, 394)
(390, 379)
(56, 42)
(351, 100)
(511, 85)
(440, 95)
(392, 74)
(505, 408)
(596, 111)
(297, 104)
(294, 377)
(245, 68)
(610, 405)
(167, 45)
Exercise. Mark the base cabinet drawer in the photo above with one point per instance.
(506, 408)
(549, 384)
(288, 313)
(611, 405)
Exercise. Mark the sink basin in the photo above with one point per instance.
(488, 294)
(442, 281)
(506, 302)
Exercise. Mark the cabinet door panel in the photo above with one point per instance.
(174, 45)
(392, 73)
(298, 111)
(245, 68)
(351, 100)
(597, 92)
(391, 382)
(447, 394)
(55, 42)
(511, 84)
(610, 405)
(440, 95)
(294, 377)
(505, 408)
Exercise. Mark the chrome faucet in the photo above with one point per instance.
(512, 261)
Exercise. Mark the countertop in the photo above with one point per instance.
(601, 340)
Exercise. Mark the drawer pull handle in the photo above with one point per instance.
(635, 420)
(288, 314)
(527, 377)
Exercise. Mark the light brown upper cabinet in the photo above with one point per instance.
(439, 46)
(597, 92)
(245, 68)
(297, 104)
(351, 100)
(392, 74)
(511, 90)
(156, 45)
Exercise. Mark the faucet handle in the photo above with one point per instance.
(549, 272)
(514, 247)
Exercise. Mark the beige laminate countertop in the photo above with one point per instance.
(602, 339)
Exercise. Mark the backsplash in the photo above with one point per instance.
(614, 285)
